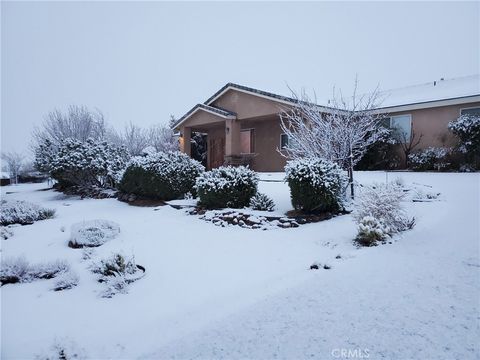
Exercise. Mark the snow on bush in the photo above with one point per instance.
(116, 273)
(431, 158)
(227, 186)
(379, 213)
(92, 233)
(371, 230)
(5, 233)
(22, 212)
(92, 163)
(65, 281)
(262, 202)
(316, 185)
(63, 349)
(162, 175)
(19, 270)
(467, 128)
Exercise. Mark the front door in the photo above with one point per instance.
(216, 152)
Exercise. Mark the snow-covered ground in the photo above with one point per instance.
(211, 292)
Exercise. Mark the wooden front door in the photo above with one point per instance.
(216, 152)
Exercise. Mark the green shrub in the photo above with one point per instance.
(227, 186)
(262, 202)
(316, 185)
(164, 176)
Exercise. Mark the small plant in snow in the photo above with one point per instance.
(398, 181)
(116, 273)
(18, 270)
(5, 233)
(379, 213)
(65, 281)
(22, 212)
(227, 186)
(316, 185)
(371, 230)
(92, 233)
(188, 196)
(262, 202)
(63, 349)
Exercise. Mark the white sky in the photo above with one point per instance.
(142, 61)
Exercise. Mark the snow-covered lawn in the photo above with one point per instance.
(211, 292)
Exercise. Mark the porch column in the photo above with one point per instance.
(185, 140)
(232, 137)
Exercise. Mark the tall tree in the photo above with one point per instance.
(341, 133)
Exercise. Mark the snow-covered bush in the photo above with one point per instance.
(316, 185)
(163, 175)
(65, 281)
(379, 212)
(5, 233)
(431, 158)
(467, 128)
(262, 202)
(116, 273)
(92, 163)
(22, 212)
(227, 186)
(92, 233)
(19, 270)
(371, 230)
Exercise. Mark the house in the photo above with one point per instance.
(242, 124)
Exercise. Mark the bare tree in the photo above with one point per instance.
(14, 162)
(78, 123)
(407, 143)
(341, 133)
(162, 138)
(133, 137)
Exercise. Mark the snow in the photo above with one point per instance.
(226, 293)
(432, 91)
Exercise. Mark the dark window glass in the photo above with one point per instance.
(472, 111)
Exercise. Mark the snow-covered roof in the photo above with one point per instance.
(465, 87)
(441, 89)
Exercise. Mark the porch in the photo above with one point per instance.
(227, 143)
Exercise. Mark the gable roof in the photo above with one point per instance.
(461, 89)
(210, 109)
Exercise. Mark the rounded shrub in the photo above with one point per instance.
(163, 175)
(227, 186)
(316, 185)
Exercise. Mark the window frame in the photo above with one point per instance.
(391, 117)
(282, 148)
(468, 108)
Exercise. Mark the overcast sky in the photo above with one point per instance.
(141, 62)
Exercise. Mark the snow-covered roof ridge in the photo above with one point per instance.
(441, 89)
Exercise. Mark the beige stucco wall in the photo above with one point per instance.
(432, 123)
(247, 105)
(267, 139)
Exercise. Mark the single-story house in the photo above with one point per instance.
(242, 124)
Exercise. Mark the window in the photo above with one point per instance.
(283, 141)
(402, 124)
(470, 111)
(247, 141)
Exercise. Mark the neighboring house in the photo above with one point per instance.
(243, 124)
